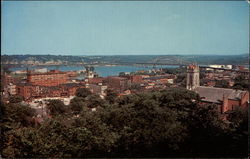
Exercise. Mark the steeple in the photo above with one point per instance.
(193, 77)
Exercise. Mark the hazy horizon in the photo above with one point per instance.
(84, 28)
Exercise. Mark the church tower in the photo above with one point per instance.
(193, 77)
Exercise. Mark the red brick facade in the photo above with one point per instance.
(30, 92)
(52, 78)
(95, 80)
(137, 79)
(118, 84)
(231, 104)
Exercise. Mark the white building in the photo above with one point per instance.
(220, 66)
(41, 70)
(11, 88)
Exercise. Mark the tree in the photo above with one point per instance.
(15, 99)
(77, 104)
(241, 82)
(17, 113)
(237, 87)
(12, 118)
(135, 87)
(222, 84)
(110, 95)
(83, 92)
(94, 101)
(169, 123)
(56, 107)
(146, 129)
(182, 79)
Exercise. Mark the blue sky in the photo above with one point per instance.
(125, 27)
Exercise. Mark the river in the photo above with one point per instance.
(102, 71)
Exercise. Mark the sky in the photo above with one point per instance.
(125, 27)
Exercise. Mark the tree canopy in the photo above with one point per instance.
(169, 123)
(83, 92)
(56, 107)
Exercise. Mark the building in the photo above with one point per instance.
(95, 80)
(27, 91)
(52, 78)
(137, 79)
(71, 73)
(98, 89)
(193, 77)
(69, 89)
(226, 99)
(41, 70)
(30, 92)
(90, 72)
(118, 84)
(219, 66)
(161, 79)
(11, 88)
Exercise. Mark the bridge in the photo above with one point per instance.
(91, 65)
(185, 65)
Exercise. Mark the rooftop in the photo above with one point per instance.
(160, 77)
(215, 95)
(117, 77)
(46, 73)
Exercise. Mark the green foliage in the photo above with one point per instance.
(169, 123)
(13, 117)
(222, 84)
(83, 92)
(94, 101)
(238, 116)
(241, 82)
(77, 104)
(237, 87)
(110, 95)
(16, 113)
(56, 107)
(182, 79)
(135, 87)
(15, 99)
(144, 125)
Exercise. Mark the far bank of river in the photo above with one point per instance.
(102, 71)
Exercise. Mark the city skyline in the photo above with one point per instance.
(125, 28)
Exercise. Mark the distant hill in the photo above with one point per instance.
(119, 59)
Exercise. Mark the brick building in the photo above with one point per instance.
(98, 89)
(52, 78)
(27, 91)
(161, 79)
(137, 79)
(30, 92)
(69, 89)
(225, 99)
(95, 80)
(118, 84)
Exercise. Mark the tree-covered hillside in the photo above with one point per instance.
(169, 59)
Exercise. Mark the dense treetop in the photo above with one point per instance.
(168, 123)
